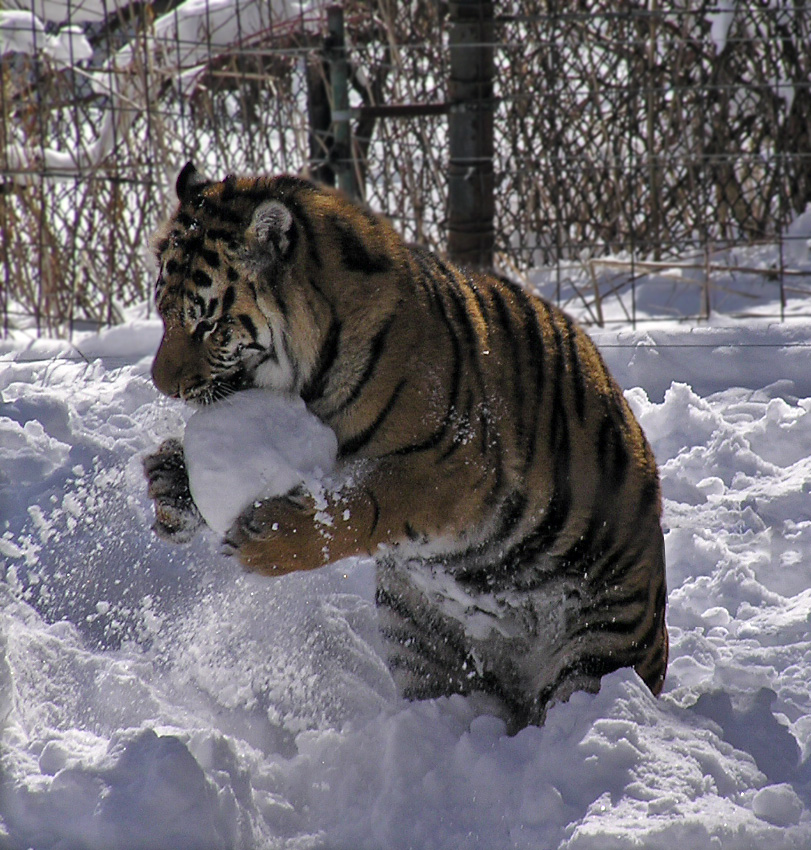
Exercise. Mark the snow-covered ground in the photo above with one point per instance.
(156, 697)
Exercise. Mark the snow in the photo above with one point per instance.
(254, 444)
(720, 17)
(159, 697)
(180, 45)
(24, 32)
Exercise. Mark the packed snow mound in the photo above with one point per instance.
(156, 696)
(252, 445)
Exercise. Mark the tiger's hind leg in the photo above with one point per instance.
(429, 654)
(426, 652)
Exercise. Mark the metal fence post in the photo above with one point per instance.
(319, 118)
(343, 164)
(471, 206)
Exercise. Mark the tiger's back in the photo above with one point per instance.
(489, 460)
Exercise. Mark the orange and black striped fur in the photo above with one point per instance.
(487, 459)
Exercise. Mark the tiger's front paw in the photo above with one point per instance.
(277, 536)
(176, 516)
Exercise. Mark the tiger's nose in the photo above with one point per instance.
(174, 364)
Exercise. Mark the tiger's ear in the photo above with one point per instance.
(190, 183)
(271, 229)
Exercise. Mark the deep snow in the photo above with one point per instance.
(157, 697)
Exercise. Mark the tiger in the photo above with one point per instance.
(487, 460)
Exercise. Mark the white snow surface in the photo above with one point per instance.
(251, 445)
(155, 697)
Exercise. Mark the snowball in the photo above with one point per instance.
(778, 805)
(253, 444)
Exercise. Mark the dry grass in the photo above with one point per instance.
(649, 142)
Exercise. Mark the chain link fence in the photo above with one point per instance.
(635, 144)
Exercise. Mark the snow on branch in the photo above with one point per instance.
(178, 46)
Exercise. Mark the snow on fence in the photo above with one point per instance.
(637, 148)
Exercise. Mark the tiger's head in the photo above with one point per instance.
(223, 258)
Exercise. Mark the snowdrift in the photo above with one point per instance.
(157, 697)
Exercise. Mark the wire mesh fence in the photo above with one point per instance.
(641, 152)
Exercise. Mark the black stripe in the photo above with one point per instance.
(543, 537)
(614, 570)
(375, 351)
(598, 666)
(228, 187)
(220, 212)
(327, 356)
(558, 403)
(201, 278)
(651, 639)
(435, 271)
(221, 234)
(578, 379)
(375, 511)
(636, 548)
(427, 273)
(228, 299)
(362, 438)
(613, 456)
(441, 432)
(462, 314)
(535, 346)
(661, 594)
(286, 184)
(494, 576)
(248, 324)
(474, 359)
(270, 354)
(594, 545)
(512, 512)
(354, 252)
(602, 614)
(212, 258)
(597, 549)
(463, 430)
(281, 302)
(410, 532)
(589, 665)
(560, 502)
(431, 626)
(648, 497)
(454, 391)
(292, 234)
(426, 445)
(506, 322)
(303, 220)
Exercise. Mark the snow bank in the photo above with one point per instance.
(159, 697)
